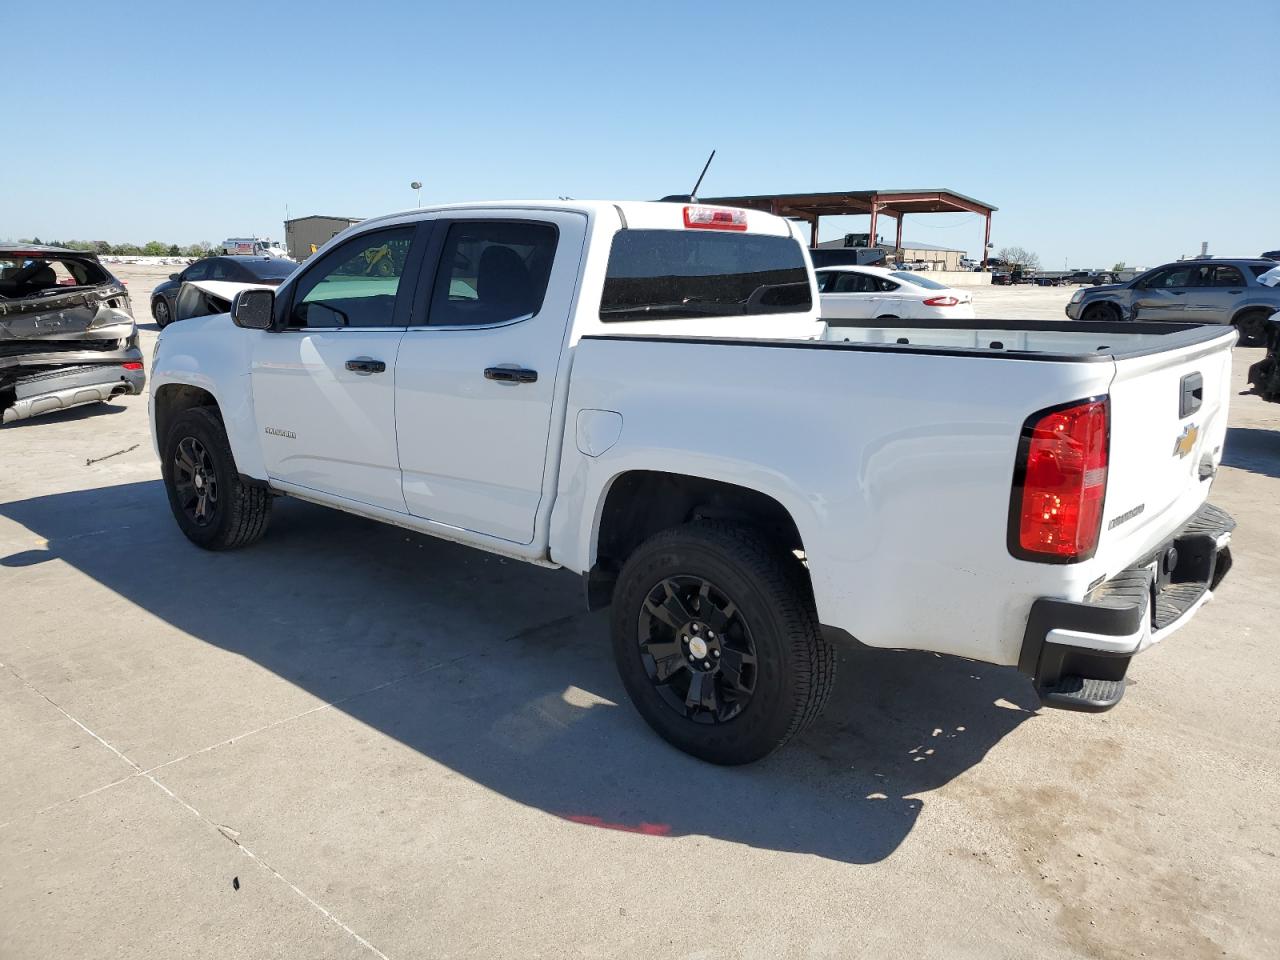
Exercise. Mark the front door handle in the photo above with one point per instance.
(366, 365)
(511, 374)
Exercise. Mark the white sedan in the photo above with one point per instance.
(874, 293)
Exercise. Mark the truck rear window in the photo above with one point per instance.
(673, 274)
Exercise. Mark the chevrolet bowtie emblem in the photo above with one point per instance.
(1187, 442)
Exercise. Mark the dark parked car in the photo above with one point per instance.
(1090, 278)
(271, 271)
(67, 335)
(1189, 291)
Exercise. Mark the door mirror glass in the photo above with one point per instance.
(254, 309)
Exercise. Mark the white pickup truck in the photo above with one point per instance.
(645, 394)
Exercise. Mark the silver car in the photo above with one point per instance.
(1190, 291)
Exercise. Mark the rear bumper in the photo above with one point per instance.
(1077, 653)
(61, 388)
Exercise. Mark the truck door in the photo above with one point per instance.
(1163, 294)
(324, 387)
(476, 374)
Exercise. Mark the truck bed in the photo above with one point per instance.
(899, 457)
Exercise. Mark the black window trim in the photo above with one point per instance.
(431, 268)
(422, 231)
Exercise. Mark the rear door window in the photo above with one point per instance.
(492, 271)
(673, 274)
(855, 283)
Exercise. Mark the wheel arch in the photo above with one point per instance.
(1264, 310)
(1106, 300)
(172, 399)
(635, 504)
(173, 395)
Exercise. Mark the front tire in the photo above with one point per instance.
(212, 505)
(717, 642)
(1101, 313)
(160, 310)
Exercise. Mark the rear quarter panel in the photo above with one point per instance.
(895, 466)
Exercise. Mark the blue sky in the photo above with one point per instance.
(1103, 132)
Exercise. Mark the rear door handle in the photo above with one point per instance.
(511, 374)
(366, 365)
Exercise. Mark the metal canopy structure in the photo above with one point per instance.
(894, 203)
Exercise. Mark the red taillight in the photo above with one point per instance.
(714, 218)
(941, 302)
(1060, 483)
(132, 365)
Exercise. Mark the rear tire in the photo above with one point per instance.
(734, 696)
(1102, 313)
(1252, 325)
(213, 507)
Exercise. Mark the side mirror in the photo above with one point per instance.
(174, 276)
(254, 309)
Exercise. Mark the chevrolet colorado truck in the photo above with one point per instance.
(646, 395)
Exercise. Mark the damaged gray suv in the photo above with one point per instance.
(67, 334)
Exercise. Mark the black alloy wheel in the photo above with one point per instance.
(697, 649)
(195, 481)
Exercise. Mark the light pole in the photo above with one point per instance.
(416, 186)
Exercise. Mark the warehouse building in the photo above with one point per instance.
(305, 235)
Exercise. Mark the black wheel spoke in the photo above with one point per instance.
(716, 614)
(668, 659)
(671, 609)
(702, 693)
(733, 665)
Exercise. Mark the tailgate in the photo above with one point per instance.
(1168, 425)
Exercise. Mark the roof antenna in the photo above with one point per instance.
(693, 194)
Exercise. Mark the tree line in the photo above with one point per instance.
(152, 248)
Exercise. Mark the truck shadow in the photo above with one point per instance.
(493, 669)
(1255, 449)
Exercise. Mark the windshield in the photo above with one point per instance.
(918, 280)
(670, 274)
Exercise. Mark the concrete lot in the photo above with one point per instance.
(349, 741)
